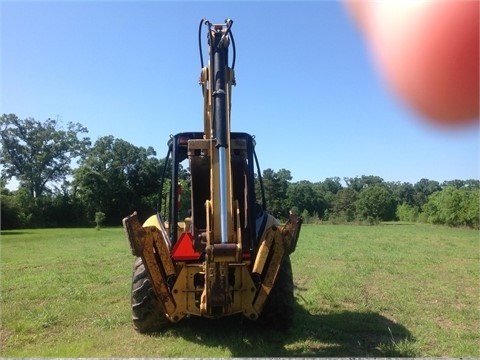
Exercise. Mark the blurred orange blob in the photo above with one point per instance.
(428, 52)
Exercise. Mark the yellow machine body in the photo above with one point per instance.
(210, 264)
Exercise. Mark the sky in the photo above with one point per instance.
(307, 86)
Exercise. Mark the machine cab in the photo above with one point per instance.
(187, 146)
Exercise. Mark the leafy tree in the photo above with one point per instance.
(406, 212)
(63, 209)
(423, 189)
(25, 207)
(457, 184)
(116, 177)
(99, 219)
(404, 192)
(376, 202)
(434, 210)
(304, 196)
(472, 209)
(37, 153)
(327, 190)
(9, 208)
(331, 185)
(454, 207)
(344, 204)
(360, 183)
(472, 184)
(356, 183)
(276, 185)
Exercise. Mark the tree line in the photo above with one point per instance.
(112, 178)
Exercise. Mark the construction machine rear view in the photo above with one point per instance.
(229, 256)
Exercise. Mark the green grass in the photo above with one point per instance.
(387, 290)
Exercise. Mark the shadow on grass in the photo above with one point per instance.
(397, 223)
(13, 232)
(335, 334)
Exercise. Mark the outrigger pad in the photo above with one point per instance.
(133, 231)
(291, 231)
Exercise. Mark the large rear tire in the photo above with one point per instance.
(147, 313)
(279, 308)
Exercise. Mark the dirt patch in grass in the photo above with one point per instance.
(5, 334)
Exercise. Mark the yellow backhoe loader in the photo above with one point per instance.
(228, 256)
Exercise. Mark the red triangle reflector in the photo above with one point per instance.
(183, 249)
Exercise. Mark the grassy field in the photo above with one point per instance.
(387, 290)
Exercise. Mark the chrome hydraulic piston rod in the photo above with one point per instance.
(219, 54)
